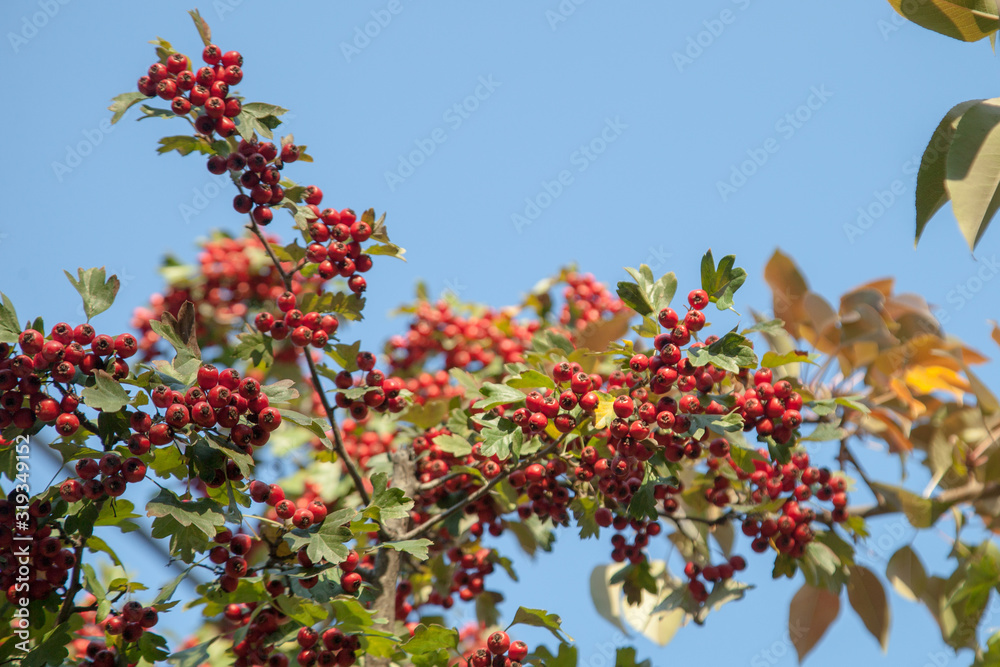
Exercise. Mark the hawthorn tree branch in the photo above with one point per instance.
(338, 442)
(473, 497)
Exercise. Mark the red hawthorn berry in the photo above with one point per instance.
(667, 318)
(212, 54)
(236, 566)
(518, 651)
(698, 299)
(351, 582)
(498, 643)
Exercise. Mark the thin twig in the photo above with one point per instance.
(338, 442)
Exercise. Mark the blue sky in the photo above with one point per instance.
(505, 141)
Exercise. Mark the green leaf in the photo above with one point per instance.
(634, 298)
(387, 503)
(453, 444)
(106, 393)
(773, 360)
(98, 294)
(416, 548)
(625, 657)
(10, 329)
(964, 20)
(351, 615)
(973, 169)
(530, 379)
(731, 352)
(121, 104)
(766, 327)
(192, 657)
(180, 332)
(825, 433)
(501, 439)
(931, 191)
(325, 542)
(430, 638)
(567, 657)
(255, 347)
(721, 281)
(118, 513)
(152, 648)
(643, 504)
(203, 30)
(497, 394)
(305, 612)
(662, 292)
(540, 618)
(258, 117)
(204, 514)
(387, 249)
(345, 355)
(185, 145)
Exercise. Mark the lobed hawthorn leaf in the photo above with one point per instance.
(427, 638)
(497, 394)
(530, 379)
(416, 548)
(931, 191)
(387, 249)
(324, 542)
(501, 439)
(345, 355)
(152, 648)
(204, 514)
(105, 394)
(97, 291)
(281, 391)
(540, 618)
(254, 347)
(731, 352)
(387, 503)
(202, 26)
(721, 281)
(10, 328)
(662, 292)
(121, 103)
(453, 444)
(185, 145)
(567, 657)
(180, 333)
(163, 49)
(260, 118)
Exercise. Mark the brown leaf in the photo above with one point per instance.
(996, 333)
(867, 596)
(597, 335)
(906, 573)
(810, 614)
(788, 286)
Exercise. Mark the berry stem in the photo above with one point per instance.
(338, 442)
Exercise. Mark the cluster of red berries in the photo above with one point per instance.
(302, 329)
(130, 624)
(463, 341)
(50, 559)
(587, 301)
(771, 409)
(376, 391)
(336, 242)
(623, 551)
(56, 359)
(116, 474)
(499, 651)
(547, 496)
(360, 443)
(232, 558)
(327, 649)
(204, 92)
(712, 574)
(259, 166)
(235, 276)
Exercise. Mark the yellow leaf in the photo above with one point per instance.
(928, 379)
(605, 411)
(889, 431)
(899, 388)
